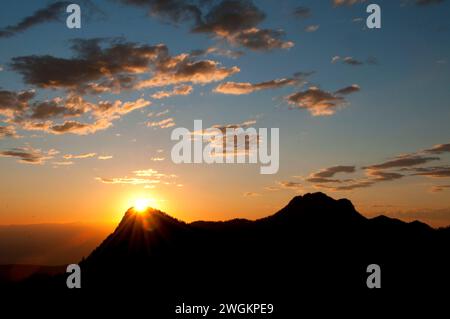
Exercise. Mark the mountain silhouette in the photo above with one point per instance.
(314, 245)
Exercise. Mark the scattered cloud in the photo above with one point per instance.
(312, 28)
(96, 68)
(166, 123)
(53, 12)
(79, 156)
(338, 3)
(291, 185)
(434, 171)
(439, 188)
(8, 131)
(63, 163)
(403, 161)
(104, 157)
(240, 88)
(319, 102)
(251, 194)
(352, 61)
(29, 155)
(177, 90)
(302, 12)
(438, 149)
(324, 175)
(235, 21)
(146, 177)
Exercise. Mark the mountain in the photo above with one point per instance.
(314, 245)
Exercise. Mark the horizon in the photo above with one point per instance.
(86, 115)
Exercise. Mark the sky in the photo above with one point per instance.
(86, 114)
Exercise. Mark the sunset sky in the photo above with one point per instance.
(86, 114)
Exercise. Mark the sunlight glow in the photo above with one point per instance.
(141, 204)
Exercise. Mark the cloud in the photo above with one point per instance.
(157, 159)
(113, 110)
(78, 128)
(233, 20)
(97, 69)
(251, 194)
(402, 161)
(312, 28)
(434, 171)
(378, 175)
(114, 67)
(319, 102)
(127, 180)
(348, 90)
(291, 185)
(166, 123)
(53, 12)
(324, 175)
(260, 39)
(338, 3)
(104, 157)
(63, 163)
(352, 61)
(233, 54)
(29, 155)
(182, 69)
(177, 90)
(239, 88)
(438, 149)
(8, 131)
(350, 186)
(12, 103)
(148, 177)
(302, 12)
(439, 188)
(79, 156)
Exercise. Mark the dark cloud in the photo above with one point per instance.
(233, 20)
(348, 90)
(319, 102)
(324, 175)
(170, 10)
(78, 128)
(29, 155)
(379, 175)
(403, 161)
(90, 63)
(331, 171)
(53, 12)
(351, 61)
(96, 69)
(438, 149)
(302, 12)
(13, 102)
(434, 171)
(231, 16)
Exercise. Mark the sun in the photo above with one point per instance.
(141, 204)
